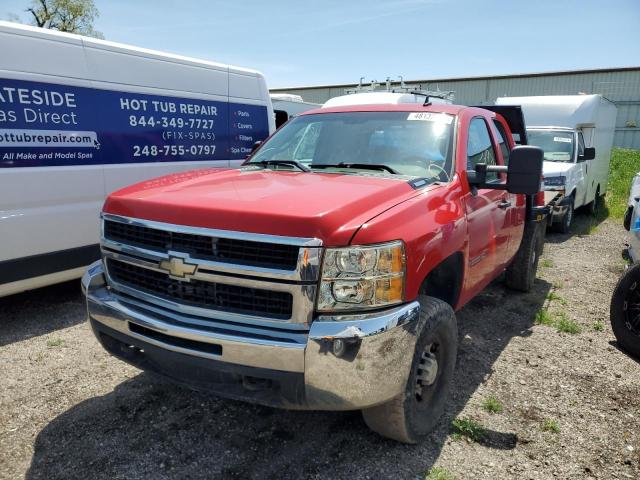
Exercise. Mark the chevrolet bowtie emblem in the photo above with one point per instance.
(178, 268)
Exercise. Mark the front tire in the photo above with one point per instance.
(625, 311)
(521, 274)
(409, 417)
(564, 225)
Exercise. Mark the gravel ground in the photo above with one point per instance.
(68, 410)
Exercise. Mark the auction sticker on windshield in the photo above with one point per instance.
(562, 139)
(431, 117)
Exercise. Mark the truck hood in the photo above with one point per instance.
(327, 206)
(555, 169)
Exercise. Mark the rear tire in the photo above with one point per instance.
(521, 274)
(593, 207)
(409, 417)
(625, 311)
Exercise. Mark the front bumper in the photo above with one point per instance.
(348, 362)
(558, 204)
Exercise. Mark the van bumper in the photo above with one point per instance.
(558, 204)
(348, 362)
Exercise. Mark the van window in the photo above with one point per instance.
(479, 147)
(502, 143)
(281, 117)
(557, 145)
(580, 144)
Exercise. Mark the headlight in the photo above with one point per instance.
(362, 277)
(554, 181)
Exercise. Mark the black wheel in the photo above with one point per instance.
(592, 208)
(564, 225)
(411, 416)
(521, 274)
(625, 311)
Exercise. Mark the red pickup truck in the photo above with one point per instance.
(324, 273)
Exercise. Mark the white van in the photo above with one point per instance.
(576, 133)
(81, 117)
(287, 105)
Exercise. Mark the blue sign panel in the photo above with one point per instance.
(44, 124)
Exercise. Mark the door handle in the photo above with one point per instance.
(504, 204)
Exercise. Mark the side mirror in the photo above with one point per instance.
(589, 154)
(524, 173)
(525, 170)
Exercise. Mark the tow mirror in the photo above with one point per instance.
(524, 172)
(589, 154)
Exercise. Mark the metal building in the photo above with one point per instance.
(620, 85)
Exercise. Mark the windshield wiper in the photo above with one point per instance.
(362, 166)
(292, 163)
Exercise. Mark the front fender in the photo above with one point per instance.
(432, 226)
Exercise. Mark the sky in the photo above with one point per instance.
(308, 42)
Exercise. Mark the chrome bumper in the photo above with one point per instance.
(348, 362)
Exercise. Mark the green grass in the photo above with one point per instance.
(554, 297)
(560, 321)
(598, 325)
(549, 425)
(492, 405)
(466, 427)
(546, 263)
(625, 163)
(566, 325)
(438, 473)
(55, 342)
(543, 317)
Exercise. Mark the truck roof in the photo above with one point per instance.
(570, 111)
(387, 98)
(404, 107)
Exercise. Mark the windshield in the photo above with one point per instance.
(416, 144)
(557, 144)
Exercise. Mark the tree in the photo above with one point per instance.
(74, 16)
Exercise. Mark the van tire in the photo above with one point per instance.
(627, 289)
(410, 417)
(592, 208)
(564, 225)
(521, 274)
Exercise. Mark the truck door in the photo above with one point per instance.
(486, 211)
(516, 211)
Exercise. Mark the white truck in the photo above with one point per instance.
(80, 118)
(576, 133)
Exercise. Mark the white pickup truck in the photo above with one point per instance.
(576, 133)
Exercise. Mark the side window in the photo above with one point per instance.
(580, 144)
(502, 143)
(479, 147)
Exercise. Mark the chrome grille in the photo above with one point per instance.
(227, 250)
(163, 266)
(198, 293)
